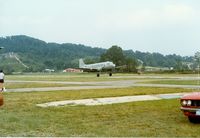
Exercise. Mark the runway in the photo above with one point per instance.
(133, 82)
(95, 85)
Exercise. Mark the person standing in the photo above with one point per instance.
(1, 80)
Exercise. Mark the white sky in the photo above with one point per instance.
(165, 26)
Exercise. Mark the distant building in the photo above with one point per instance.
(72, 70)
(152, 69)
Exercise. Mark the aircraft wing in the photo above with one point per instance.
(87, 69)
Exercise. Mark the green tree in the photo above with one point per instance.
(131, 65)
(114, 54)
(49, 64)
(197, 60)
(197, 57)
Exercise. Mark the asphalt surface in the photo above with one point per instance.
(106, 85)
(111, 100)
(95, 85)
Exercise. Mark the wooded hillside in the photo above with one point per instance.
(38, 55)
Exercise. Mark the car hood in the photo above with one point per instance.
(192, 96)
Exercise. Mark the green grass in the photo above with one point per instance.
(14, 85)
(174, 82)
(84, 77)
(90, 77)
(63, 77)
(97, 93)
(20, 117)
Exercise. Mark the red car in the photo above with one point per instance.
(191, 106)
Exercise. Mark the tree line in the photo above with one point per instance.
(39, 55)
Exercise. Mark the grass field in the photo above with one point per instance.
(175, 82)
(21, 117)
(87, 77)
(13, 85)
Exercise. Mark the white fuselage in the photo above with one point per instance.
(97, 66)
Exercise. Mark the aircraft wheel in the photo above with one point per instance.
(98, 74)
(110, 74)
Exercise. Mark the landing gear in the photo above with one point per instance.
(110, 74)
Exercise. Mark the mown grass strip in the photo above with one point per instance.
(93, 93)
(20, 117)
(173, 82)
(14, 85)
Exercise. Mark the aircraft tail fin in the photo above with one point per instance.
(81, 63)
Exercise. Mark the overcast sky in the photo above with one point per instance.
(164, 26)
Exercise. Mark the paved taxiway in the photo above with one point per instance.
(111, 100)
(96, 85)
(133, 82)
